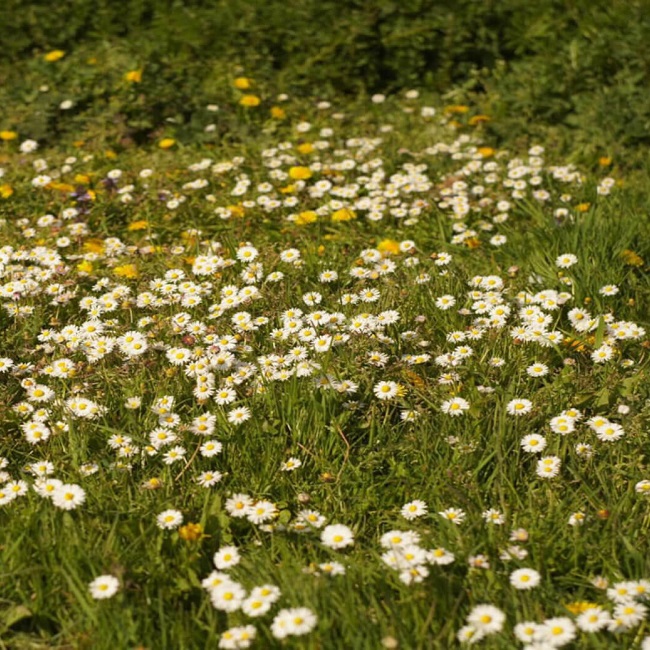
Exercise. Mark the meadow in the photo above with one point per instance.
(308, 369)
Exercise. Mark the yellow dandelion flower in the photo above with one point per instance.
(486, 152)
(126, 271)
(456, 109)
(278, 113)
(344, 214)
(478, 119)
(85, 267)
(631, 258)
(243, 83)
(250, 100)
(54, 55)
(190, 532)
(6, 191)
(308, 216)
(83, 179)
(388, 246)
(415, 379)
(60, 187)
(604, 161)
(94, 246)
(583, 207)
(134, 76)
(8, 135)
(167, 143)
(580, 606)
(305, 148)
(300, 173)
(143, 224)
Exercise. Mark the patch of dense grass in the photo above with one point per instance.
(416, 359)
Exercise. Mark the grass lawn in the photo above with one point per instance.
(319, 374)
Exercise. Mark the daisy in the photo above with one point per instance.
(494, 517)
(254, 606)
(18, 488)
(455, 515)
(533, 443)
(6, 496)
(239, 415)
(643, 487)
(455, 406)
(225, 396)
(133, 403)
(608, 290)
(486, 619)
(414, 574)
(46, 487)
(261, 512)
(621, 592)
(610, 432)
(479, 561)
(210, 448)
(548, 467)
(238, 504)
(237, 637)
(337, 536)
(445, 302)
(332, 568)
(385, 390)
(104, 587)
(440, 556)
(566, 260)
(226, 557)
(519, 407)
(414, 509)
(290, 464)
(537, 370)
(293, 622)
(311, 518)
(602, 354)
(68, 497)
(378, 359)
(577, 519)
(562, 425)
(208, 479)
(247, 253)
(557, 631)
(524, 579)
(527, 631)
(169, 519)
(593, 620)
(215, 579)
(469, 634)
(228, 596)
(174, 455)
(270, 593)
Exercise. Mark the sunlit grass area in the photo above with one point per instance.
(310, 373)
